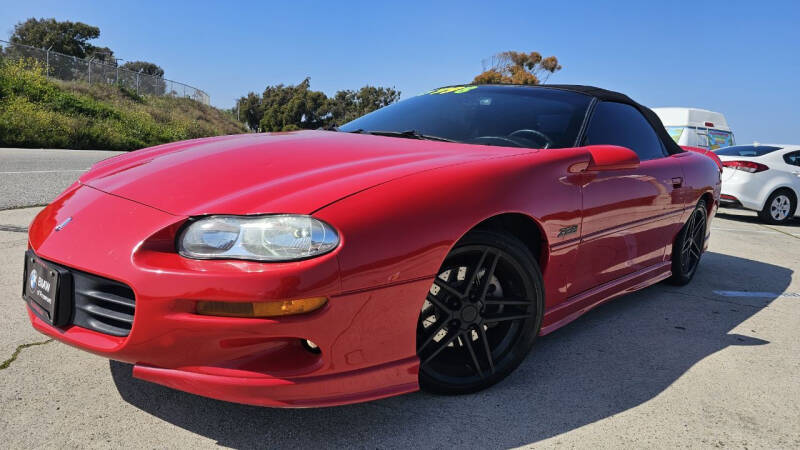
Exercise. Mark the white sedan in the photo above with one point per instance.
(764, 178)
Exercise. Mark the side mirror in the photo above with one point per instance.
(611, 157)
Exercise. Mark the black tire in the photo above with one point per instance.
(688, 246)
(481, 315)
(779, 207)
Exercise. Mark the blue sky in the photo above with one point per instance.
(739, 58)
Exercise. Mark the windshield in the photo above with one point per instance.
(510, 116)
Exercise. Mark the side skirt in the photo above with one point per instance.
(576, 306)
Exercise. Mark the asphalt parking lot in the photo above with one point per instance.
(30, 177)
(712, 364)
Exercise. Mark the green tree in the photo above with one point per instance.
(102, 54)
(293, 107)
(249, 110)
(144, 67)
(348, 105)
(66, 37)
(285, 108)
(518, 68)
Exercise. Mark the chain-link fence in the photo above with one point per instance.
(71, 68)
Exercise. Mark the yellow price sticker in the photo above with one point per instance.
(453, 90)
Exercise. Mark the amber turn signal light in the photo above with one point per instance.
(261, 309)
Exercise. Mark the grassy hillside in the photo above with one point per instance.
(39, 112)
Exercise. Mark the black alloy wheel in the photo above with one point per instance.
(688, 246)
(481, 315)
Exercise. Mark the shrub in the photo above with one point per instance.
(38, 112)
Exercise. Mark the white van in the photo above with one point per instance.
(696, 127)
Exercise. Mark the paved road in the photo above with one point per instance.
(712, 364)
(33, 177)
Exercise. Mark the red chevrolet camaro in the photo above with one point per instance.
(426, 244)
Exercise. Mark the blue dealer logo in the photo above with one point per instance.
(32, 280)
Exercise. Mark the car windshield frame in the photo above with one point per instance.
(497, 115)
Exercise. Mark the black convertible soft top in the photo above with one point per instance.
(611, 96)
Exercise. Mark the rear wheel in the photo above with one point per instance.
(481, 315)
(779, 207)
(688, 246)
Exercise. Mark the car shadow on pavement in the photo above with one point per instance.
(614, 358)
(739, 216)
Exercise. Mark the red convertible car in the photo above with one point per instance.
(424, 245)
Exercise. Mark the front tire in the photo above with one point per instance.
(688, 246)
(779, 207)
(481, 315)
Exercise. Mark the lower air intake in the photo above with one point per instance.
(102, 305)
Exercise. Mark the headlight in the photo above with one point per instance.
(260, 238)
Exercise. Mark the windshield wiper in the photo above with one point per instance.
(410, 134)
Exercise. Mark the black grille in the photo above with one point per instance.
(102, 305)
(97, 303)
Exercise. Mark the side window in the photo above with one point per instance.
(792, 158)
(702, 139)
(676, 133)
(620, 124)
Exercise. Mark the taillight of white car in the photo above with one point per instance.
(747, 166)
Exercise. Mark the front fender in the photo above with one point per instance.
(402, 230)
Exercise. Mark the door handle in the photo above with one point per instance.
(677, 182)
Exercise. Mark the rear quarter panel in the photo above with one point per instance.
(780, 175)
(772, 183)
(702, 180)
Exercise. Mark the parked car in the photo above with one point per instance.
(696, 127)
(426, 244)
(764, 178)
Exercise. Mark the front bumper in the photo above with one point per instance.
(366, 337)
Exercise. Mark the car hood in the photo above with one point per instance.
(293, 172)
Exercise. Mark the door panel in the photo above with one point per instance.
(626, 216)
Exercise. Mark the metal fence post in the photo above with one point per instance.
(47, 62)
(116, 63)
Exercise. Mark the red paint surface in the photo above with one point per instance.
(399, 206)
